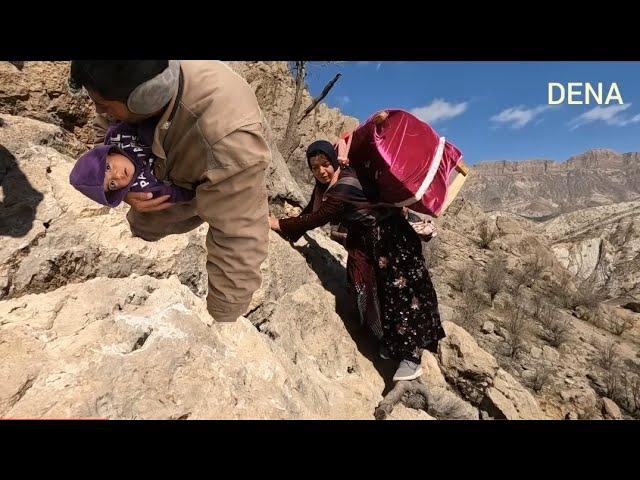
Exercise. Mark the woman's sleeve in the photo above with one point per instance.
(293, 228)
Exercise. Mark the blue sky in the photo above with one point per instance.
(495, 110)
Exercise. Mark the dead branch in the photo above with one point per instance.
(291, 138)
(401, 390)
(324, 93)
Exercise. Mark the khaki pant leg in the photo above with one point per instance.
(152, 226)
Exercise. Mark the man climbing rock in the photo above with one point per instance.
(204, 125)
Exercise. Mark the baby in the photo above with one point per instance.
(123, 164)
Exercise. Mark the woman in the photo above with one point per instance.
(385, 266)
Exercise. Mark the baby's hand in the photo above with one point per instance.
(144, 202)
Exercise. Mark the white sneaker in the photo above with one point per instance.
(407, 370)
(384, 353)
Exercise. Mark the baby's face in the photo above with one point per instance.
(119, 173)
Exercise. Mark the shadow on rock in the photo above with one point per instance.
(334, 279)
(19, 198)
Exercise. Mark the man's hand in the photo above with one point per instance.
(144, 202)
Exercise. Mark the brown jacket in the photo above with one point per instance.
(214, 143)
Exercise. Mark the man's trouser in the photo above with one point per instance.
(152, 226)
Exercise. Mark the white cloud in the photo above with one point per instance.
(344, 99)
(368, 63)
(438, 110)
(609, 115)
(519, 116)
